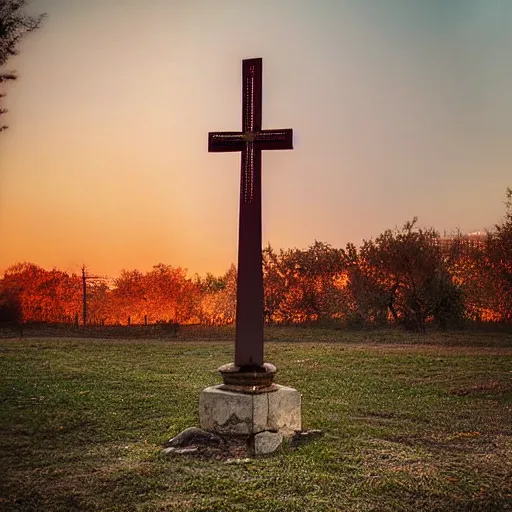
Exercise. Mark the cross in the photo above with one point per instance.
(250, 141)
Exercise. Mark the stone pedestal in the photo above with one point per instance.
(275, 414)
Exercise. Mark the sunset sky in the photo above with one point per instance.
(399, 108)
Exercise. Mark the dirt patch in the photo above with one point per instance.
(433, 348)
(493, 386)
(377, 417)
(472, 442)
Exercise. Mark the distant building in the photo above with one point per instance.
(467, 242)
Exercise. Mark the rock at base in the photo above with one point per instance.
(194, 436)
(266, 442)
(181, 451)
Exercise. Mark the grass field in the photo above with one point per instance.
(419, 423)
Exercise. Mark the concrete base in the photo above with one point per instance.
(230, 413)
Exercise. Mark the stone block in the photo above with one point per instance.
(284, 410)
(231, 413)
(226, 412)
(266, 442)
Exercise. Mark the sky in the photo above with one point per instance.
(399, 109)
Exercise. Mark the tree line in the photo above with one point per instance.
(405, 277)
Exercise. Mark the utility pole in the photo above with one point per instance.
(84, 295)
(84, 290)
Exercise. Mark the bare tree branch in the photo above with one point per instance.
(14, 25)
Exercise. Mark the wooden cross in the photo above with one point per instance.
(250, 141)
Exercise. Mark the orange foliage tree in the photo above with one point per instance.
(365, 299)
(43, 296)
(302, 285)
(499, 262)
(218, 298)
(164, 294)
(128, 297)
(409, 267)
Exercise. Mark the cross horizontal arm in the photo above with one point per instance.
(274, 139)
(221, 142)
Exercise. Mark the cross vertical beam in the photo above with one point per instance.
(250, 142)
(249, 299)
